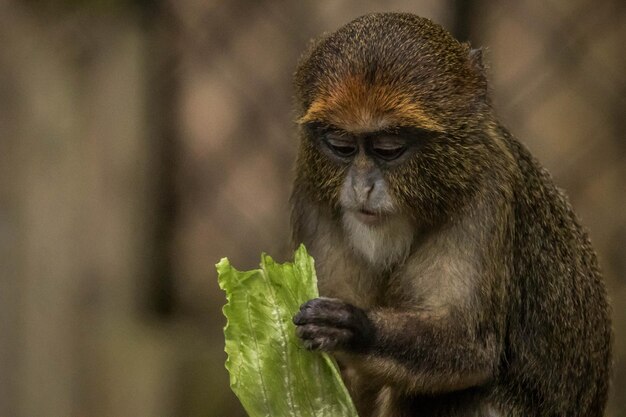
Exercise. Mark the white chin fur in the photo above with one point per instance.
(382, 245)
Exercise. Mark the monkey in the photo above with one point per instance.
(454, 277)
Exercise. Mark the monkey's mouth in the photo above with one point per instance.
(368, 216)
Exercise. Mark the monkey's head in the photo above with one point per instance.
(393, 113)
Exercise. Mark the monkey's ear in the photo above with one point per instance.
(476, 61)
(478, 67)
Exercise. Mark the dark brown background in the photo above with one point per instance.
(140, 141)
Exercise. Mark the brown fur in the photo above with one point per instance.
(354, 104)
(495, 306)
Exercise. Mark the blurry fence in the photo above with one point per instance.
(142, 141)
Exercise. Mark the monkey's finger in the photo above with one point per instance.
(322, 337)
(311, 331)
(321, 310)
(324, 302)
(330, 311)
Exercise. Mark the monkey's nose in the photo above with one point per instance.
(362, 190)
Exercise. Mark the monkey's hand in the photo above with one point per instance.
(330, 324)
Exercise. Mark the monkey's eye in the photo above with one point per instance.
(341, 147)
(387, 148)
(388, 153)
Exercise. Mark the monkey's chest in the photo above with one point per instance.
(347, 279)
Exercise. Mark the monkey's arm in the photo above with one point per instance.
(420, 351)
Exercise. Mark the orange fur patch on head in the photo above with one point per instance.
(354, 105)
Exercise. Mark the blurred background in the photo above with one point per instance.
(141, 141)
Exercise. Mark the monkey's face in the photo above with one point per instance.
(394, 113)
(395, 118)
(386, 182)
(363, 160)
(359, 174)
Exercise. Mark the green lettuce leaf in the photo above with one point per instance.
(271, 373)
